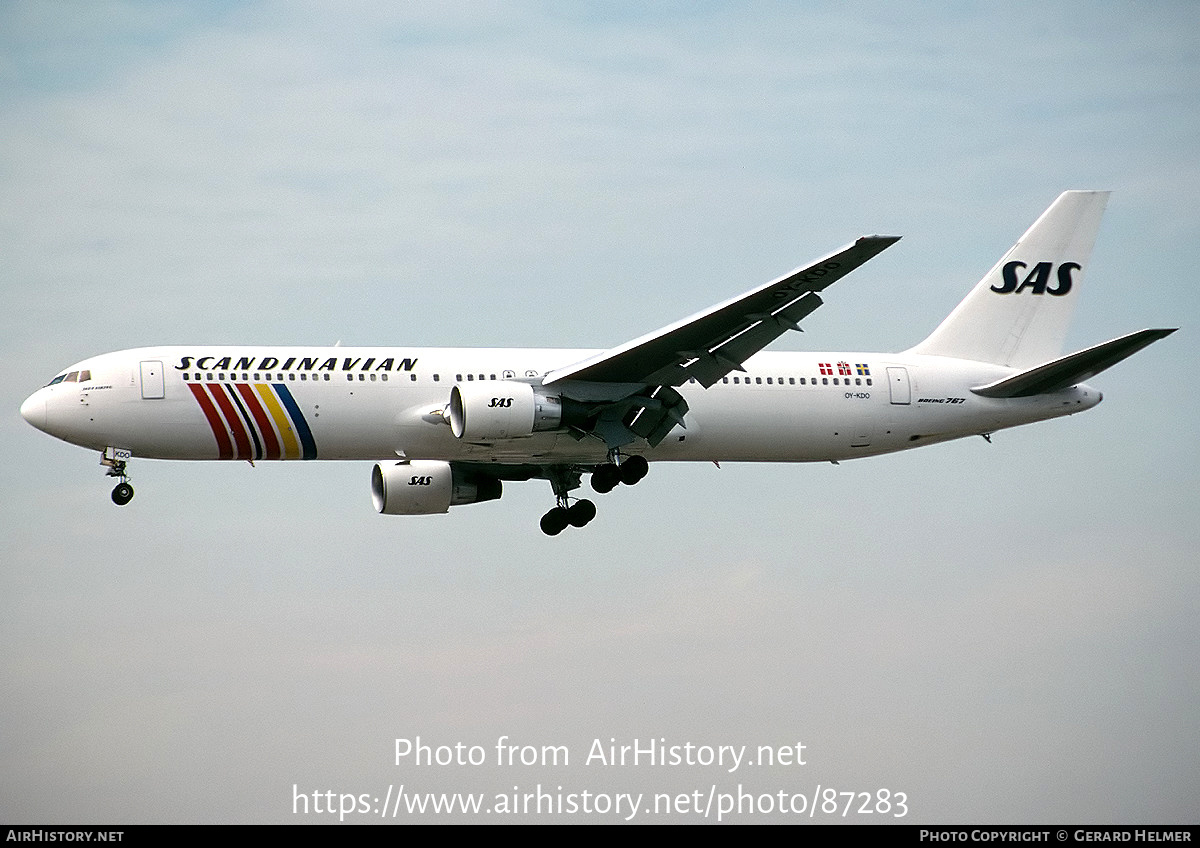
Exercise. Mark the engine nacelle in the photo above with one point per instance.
(503, 409)
(426, 487)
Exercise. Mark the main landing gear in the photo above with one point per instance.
(564, 479)
(122, 493)
(576, 515)
(605, 477)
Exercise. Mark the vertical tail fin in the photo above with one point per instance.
(1018, 314)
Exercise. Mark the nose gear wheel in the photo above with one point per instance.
(122, 493)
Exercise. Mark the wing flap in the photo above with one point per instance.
(1073, 369)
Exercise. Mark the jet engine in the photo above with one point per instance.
(505, 409)
(425, 487)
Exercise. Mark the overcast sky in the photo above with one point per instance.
(1005, 633)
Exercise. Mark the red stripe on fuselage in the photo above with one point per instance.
(224, 446)
(271, 448)
(236, 425)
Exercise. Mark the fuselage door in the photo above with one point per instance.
(898, 385)
(152, 380)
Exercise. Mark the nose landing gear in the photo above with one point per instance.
(114, 459)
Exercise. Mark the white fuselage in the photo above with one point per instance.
(448, 426)
(261, 403)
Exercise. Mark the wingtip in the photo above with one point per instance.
(1159, 332)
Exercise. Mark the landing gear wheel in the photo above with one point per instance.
(581, 512)
(605, 478)
(633, 469)
(555, 521)
(122, 494)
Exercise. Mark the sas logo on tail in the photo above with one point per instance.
(1038, 279)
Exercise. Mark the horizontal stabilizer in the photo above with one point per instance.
(1073, 369)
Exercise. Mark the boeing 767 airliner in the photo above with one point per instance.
(447, 426)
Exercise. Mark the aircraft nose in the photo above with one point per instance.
(33, 410)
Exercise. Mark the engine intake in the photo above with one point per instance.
(427, 487)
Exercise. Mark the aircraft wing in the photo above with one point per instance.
(710, 344)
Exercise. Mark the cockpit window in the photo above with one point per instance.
(72, 377)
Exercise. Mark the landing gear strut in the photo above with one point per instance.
(122, 493)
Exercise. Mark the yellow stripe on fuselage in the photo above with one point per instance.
(291, 448)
